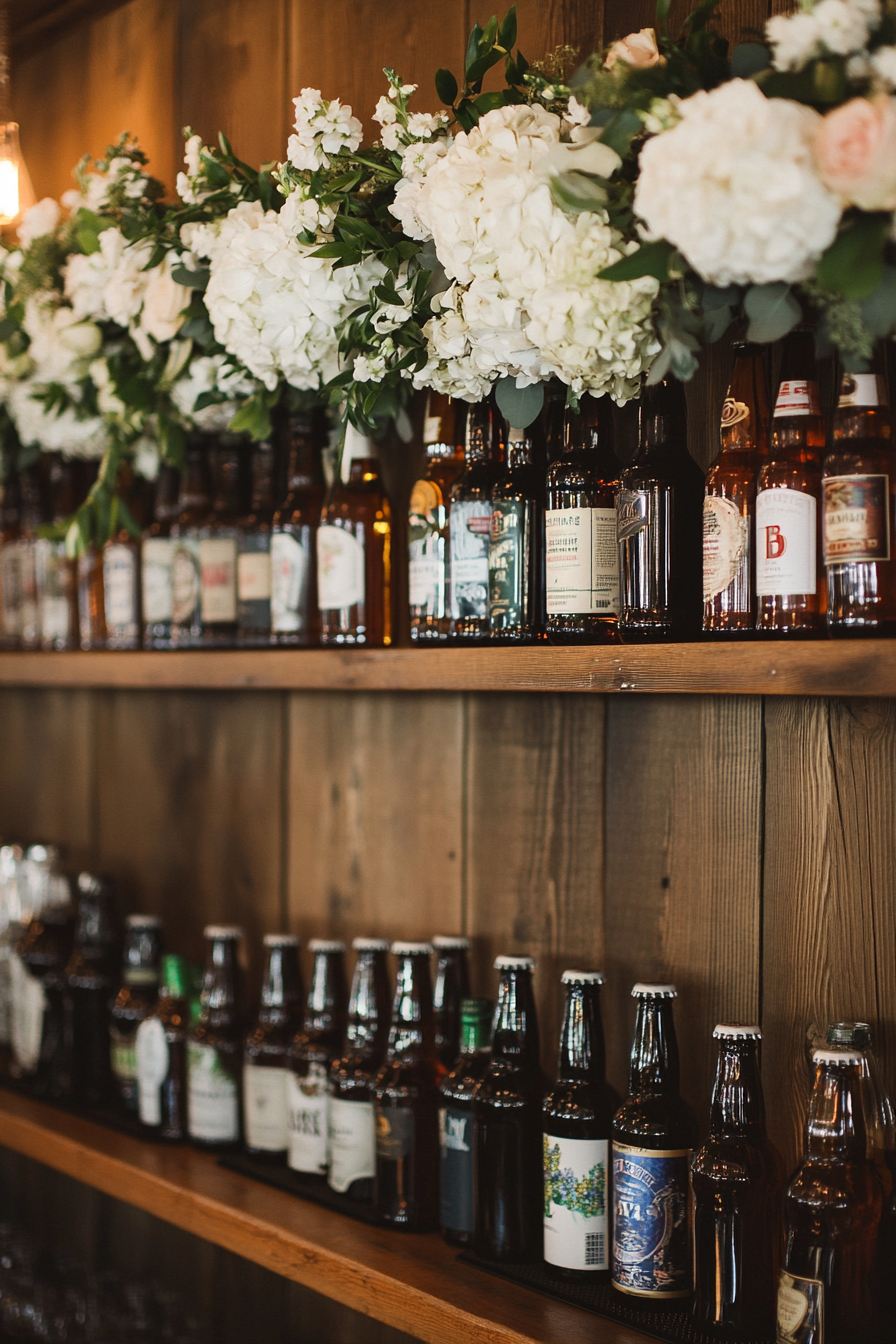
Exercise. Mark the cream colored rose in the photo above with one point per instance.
(163, 303)
(638, 50)
(855, 148)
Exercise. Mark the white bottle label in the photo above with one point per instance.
(581, 562)
(264, 1103)
(157, 554)
(351, 1142)
(469, 529)
(213, 1096)
(862, 389)
(289, 575)
(28, 1006)
(575, 1192)
(307, 1105)
(151, 1050)
(426, 583)
(120, 587)
(55, 621)
(186, 581)
(785, 543)
(254, 576)
(217, 557)
(726, 534)
(797, 397)
(340, 568)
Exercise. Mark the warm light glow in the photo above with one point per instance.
(9, 190)
(16, 193)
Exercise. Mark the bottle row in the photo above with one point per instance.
(512, 537)
(437, 1112)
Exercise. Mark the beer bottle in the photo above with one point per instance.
(295, 619)
(507, 1125)
(9, 563)
(516, 600)
(577, 1119)
(186, 570)
(89, 986)
(12, 929)
(552, 420)
(458, 1194)
(56, 572)
(218, 548)
(121, 567)
(351, 1130)
(827, 1292)
(254, 558)
(452, 985)
(34, 512)
(880, 1118)
(470, 521)
(354, 551)
(310, 1055)
(156, 558)
(428, 577)
(406, 1093)
(264, 1061)
(161, 1054)
(135, 1000)
(729, 504)
(215, 1045)
(659, 508)
(737, 1179)
(859, 499)
(581, 556)
(38, 974)
(654, 1136)
(790, 597)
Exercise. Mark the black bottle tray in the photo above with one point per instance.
(294, 1183)
(602, 1299)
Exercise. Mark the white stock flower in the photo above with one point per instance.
(735, 188)
(840, 27)
(369, 368)
(164, 301)
(211, 373)
(187, 186)
(322, 128)
(38, 220)
(883, 64)
(384, 114)
(302, 213)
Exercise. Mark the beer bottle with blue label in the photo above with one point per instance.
(516, 613)
(351, 1132)
(452, 986)
(577, 1119)
(311, 1053)
(456, 1123)
(470, 524)
(654, 1137)
(264, 1061)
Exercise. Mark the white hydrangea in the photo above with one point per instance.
(734, 187)
(61, 351)
(322, 128)
(109, 285)
(839, 27)
(55, 433)
(211, 373)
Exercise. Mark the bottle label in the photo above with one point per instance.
(797, 397)
(289, 581)
(157, 554)
(307, 1100)
(217, 558)
(734, 412)
(213, 1096)
(456, 1183)
(800, 1310)
(651, 1231)
(394, 1133)
(340, 568)
(581, 562)
(351, 1143)
(29, 1003)
(120, 588)
(9, 576)
(151, 1049)
(253, 576)
(862, 389)
(124, 1057)
(264, 1104)
(726, 541)
(575, 1203)
(55, 618)
(507, 562)
(469, 527)
(186, 581)
(55, 585)
(427, 569)
(785, 543)
(856, 519)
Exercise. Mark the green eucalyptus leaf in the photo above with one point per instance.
(879, 309)
(854, 263)
(225, 145)
(713, 297)
(7, 326)
(773, 311)
(520, 406)
(621, 130)
(650, 259)
(446, 87)
(197, 279)
(748, 58)
(716, 322)
(198, 328)
(576, 193)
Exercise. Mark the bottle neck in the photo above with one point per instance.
(738, 1106)
(368, 1009)
(474, 1035)
(304, 465)
(412, 1030)
(654, 1065)
(95, 934)
(452, 979)
(582, 1055)
(281, 985)
(744, 427)
(663, 419)
(167, 491)
(520, 454)
(485, 433)
(174, 984)
(364, 471)
(263, 479)
(141, 955)
(194, 486)
(836, 1126)
(219, 988)
(515, 1036)
(325, 1006)
(226, 476)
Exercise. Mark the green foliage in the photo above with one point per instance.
(520, 406)
(486, 48)
(254, 416)
(853, 265)
(658, 259)
(773, 311)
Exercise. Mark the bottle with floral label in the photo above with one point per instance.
(295, 619)
(264, 1062)
(310, 1056)
(253, 580)
(428, 575)
(354, 552)
(215, 1048)
(135, 1000)
(156, 561)
(186, 571)
(470, 524)
(516, 597)
(121, 566)
(218, 544)
(161, 1054)
(351, 1128)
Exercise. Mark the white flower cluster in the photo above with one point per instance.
(838, 27)
(321, 128)
(38, 220)
(121, 177)
(735, 187)
(525, 301)
(420, 138)
(113, 285)
(190, 185)
(61, 352)
(211, 373)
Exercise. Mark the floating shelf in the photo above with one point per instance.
(819, 667)
(408, 1281)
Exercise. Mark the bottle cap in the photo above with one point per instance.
(370, 944)
(506, 963)
(836, 1056)
(853, 1035)
(582, 978)
(412, 949)
(280, 940)
(473, 1010)
(231, 931)
(89, 884)
(737, 1031)
(642, 991)
(47, 854)
(143, 922)
(326, 945)
(448, 941)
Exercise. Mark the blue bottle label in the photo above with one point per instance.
(651, 1221)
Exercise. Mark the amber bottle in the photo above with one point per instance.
(34, 512)
(452, 986)
(880, 1116)
(218, 537)
(310, 1056)
(458, 1088)
(161, 1054)
(264, 1061)
(57, 572)
(253, 570)
(89, 987)
(295, 619)
(186, 569)
(156, 558)
(428, 540)
(351, 1127)
(516, 595)
(354, 552)
(38, 977)
(470, 522)
(215, 1046)
(9, 563)
(121, 570)
(137, 995)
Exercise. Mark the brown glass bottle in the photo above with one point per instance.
(89, 987)
(428, 541)
(121, 569)
(516, 593)
(469, 524)
(218, 538)
(406, 1189)
(458, 1088)
(832, 1211)
(552, 421)
(581, 556)
(56, 572)
(215, 1046)
(452, 985)
(737, 1179)
(354, 552)
(729, 504)
(9, 563)
(310, 1054)
(351, 1128)
(577, 1119)
(137, 996)
(186, 569)
(161, 1054)
(34, 512)
(264, 1060)
(295, 619)
(156, 559)
(254, 553)
(880, 1118)
(790, 587)
(654, 1136)
(659, 509)
(508, 1169)
(38, 977)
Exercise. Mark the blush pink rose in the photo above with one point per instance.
(855, 149)
(638, 50)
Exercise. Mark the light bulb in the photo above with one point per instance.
(16, 192)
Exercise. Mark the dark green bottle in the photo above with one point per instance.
(456, 1122)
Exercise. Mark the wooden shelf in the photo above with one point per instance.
(839, 668)
(410, 1282)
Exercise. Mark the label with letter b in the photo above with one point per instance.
(786, 547)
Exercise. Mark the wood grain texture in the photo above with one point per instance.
(535, 841)
(375, 816)
(683, 870)
(829, 928)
